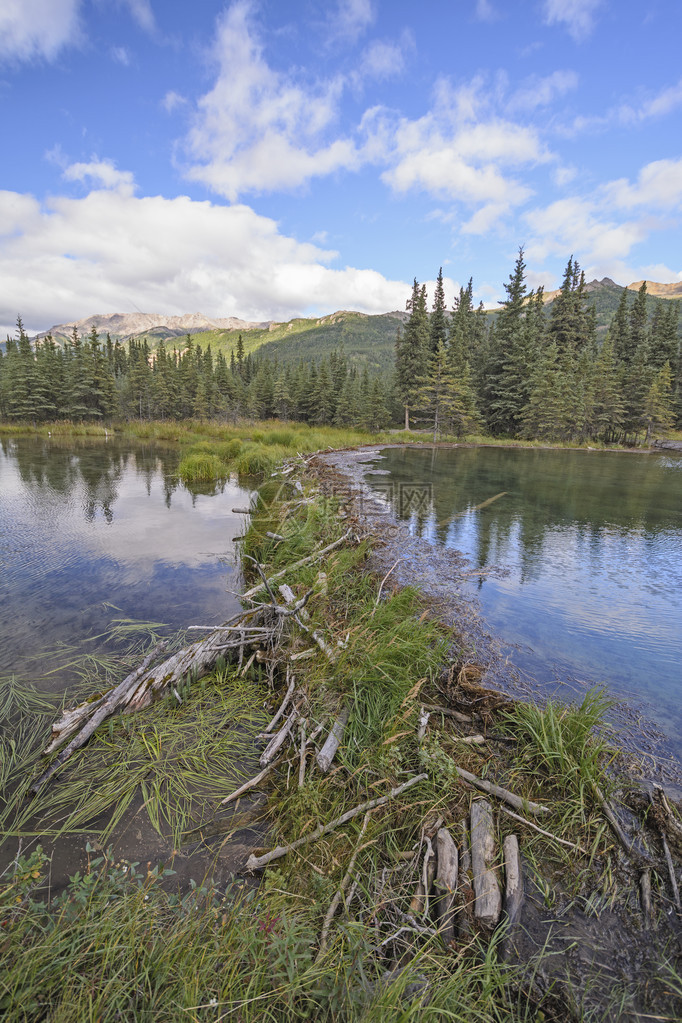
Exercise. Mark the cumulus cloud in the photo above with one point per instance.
(32, 29)
(101, 172)
(577, 15)
(112, 251)
(383, 59)
(141, 11)
(258, 129)
(606, 226)
(461, 151)
(120, 55)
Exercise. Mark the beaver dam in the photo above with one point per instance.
(389, 836)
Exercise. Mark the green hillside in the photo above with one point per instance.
(366, 340)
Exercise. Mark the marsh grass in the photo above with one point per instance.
(114, 945)
(202, 467)
(176, 763)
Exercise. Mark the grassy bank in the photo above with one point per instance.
(120, 943)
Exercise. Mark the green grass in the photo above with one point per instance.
(202, 467)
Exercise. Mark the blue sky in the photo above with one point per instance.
(269, 159)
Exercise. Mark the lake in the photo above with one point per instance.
(92, 532)
(576, 558)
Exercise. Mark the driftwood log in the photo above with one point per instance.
(487, 899)
(513, 879)
(333, 741)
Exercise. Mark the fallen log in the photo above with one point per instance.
(256, 862)
(487, 899)
(282, 707)
(105, 707)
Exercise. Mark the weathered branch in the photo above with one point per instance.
(541, 831)
(504, 794)
(278, 740)
(299, 564)
(251, 784)
(348, 877)
(256, 862)
(513, 877)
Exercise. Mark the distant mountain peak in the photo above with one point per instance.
(122, 325)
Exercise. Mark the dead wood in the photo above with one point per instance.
(333, 741)
(671, 872)
(513, 879)
(282, 706)
(256, 862)
(487, 901)
(464, 719)
(548, 834)
(278, 740)
(348, 877)
(446, 884)
(299, 564)
(301, 765)
(504, 794)
(251, 784)
(105, 708)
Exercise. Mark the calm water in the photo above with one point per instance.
(97, 531)
(592, 547)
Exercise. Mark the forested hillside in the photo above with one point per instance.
(597, 362)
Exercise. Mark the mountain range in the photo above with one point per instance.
(366, 339)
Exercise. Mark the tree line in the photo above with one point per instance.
(520, 372)
(525, 373)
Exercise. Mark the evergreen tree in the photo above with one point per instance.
(411, 348)
(658, 413)
(446, 398)
(438, 327)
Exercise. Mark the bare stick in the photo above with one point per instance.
(282, 707)
(301, 766)
(256, 862)
(251, 784)
(111, 702)
(428, 872)
(446, 883)
(630, 848)
(504, 794)
(299, 564)
(277, 741)
(328, 751)
(547, 834)
(378, 600)
(464, 719)
(645, 893)
(671, 871)
(348, 877)
(513, 888)
(303, 655)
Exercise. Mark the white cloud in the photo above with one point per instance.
(351, 19)
(665, 102)
(172, 100)
(120, 55)
(381, 60)
(258, 129)
(112, 251)
(541, 91)
(141, 11)
(658, 187)
(101, 172)
(576, 15)
(37, 28)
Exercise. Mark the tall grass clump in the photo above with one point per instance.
(564, 744)
(202, 467)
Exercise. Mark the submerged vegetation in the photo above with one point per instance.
(123, 941)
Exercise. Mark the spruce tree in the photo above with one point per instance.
(411, 348)
(438, 328)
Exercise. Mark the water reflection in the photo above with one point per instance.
(89, 525)
(591, 545)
